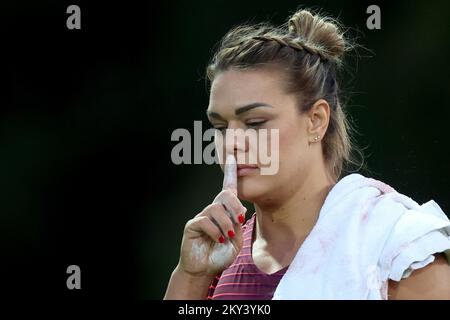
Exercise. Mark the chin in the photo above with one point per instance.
(251, 188)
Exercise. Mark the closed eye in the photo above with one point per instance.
(255, 124)
(249, 124)
(219, 127)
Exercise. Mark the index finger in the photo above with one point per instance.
(230, 174)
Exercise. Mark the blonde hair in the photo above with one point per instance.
(310, 49)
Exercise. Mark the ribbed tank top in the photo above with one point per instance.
(243, 280)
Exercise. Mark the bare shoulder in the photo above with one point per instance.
(430, 282)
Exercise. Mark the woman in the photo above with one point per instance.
(314, 234)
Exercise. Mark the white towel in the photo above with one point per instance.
(366, 233)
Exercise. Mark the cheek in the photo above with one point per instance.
(291, 141)
(219, 148)
(293, 151)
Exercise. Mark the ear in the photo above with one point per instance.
(318, 120)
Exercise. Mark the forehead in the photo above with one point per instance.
(239, 87)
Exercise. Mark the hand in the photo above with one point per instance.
(213, 238)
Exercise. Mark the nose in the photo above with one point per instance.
(235, 141)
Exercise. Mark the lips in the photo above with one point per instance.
(245, 166)
(246, 169)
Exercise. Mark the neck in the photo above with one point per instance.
(288, 221)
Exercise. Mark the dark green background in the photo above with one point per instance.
(85, 171)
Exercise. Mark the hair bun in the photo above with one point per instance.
(322, 34)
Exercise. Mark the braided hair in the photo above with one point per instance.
(309, 48)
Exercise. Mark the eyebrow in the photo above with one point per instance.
(239, 110)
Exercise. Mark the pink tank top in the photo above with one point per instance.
(243, 280)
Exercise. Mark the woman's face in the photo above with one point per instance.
(256, 99)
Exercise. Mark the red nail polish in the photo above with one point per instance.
(241, 218)
(230, 233)
(221, 239)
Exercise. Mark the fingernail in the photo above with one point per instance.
(221, 239)
(241, 218)
(230, 233)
